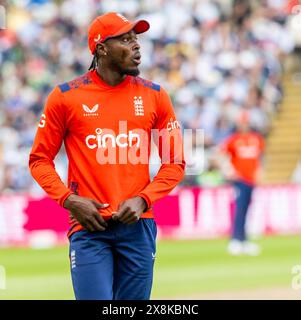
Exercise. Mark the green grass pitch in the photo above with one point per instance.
(182, 268)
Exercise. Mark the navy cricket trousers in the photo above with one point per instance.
(115, 264)
(243, 199)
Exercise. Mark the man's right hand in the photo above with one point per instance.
(85, 211)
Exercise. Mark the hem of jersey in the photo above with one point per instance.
(246, 181)
(77, 227)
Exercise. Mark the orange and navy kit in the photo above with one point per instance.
(245, 151)
(89, 115)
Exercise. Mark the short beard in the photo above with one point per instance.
(131, 72)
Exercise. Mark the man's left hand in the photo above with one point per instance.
(130, 210)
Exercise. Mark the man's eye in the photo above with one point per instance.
(129, 39)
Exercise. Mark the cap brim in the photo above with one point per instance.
(139, 27)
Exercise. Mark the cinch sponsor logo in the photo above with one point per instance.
(248, 152)
(103, 140)
(173, 124)
(132, 145)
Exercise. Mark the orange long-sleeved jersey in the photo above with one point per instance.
(245, 151)
(106, 131)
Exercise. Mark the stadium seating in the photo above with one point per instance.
(215, 58)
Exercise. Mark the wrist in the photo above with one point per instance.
(145, 207)
(68, 201)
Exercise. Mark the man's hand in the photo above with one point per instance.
(85, 211)
(231, 175)
(130, 210)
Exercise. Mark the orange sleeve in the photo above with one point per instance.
(48, 140)
(168, 138)
(227, 146)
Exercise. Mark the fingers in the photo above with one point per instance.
(85, 211)
(100, 220)
(92, 224)
(96, 222)
(126, 215)
(88, 226)
(100, 205)
(133, 218)
(129, 217)
(119, 213)
(122, 212)
(114, 216)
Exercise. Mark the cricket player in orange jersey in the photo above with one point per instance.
(105, 119)
(245, 149)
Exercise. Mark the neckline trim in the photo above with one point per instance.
(96, 79)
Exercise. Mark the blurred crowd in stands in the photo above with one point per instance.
(215, 58)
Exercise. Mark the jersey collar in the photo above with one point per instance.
(96, 79)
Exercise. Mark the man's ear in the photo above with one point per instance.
(101, 50)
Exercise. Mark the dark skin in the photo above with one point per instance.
(117, 58)
(85, 211)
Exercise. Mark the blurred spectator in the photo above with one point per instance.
(214, 57)
(212, 177)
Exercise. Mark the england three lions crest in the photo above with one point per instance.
(138, 105)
